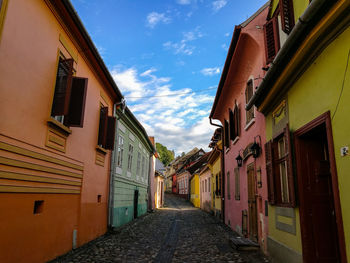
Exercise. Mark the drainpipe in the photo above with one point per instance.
(292, 41)
(222, 172)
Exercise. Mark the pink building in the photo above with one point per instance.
(205, 189)
(244, 177)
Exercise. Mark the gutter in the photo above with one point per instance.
(299, 33)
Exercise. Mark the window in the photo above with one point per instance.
(218, 184)
(228, 186)
(279, 170)
(106, 130)
(38, 205)
(138, 164)
(271, 38)
(287, 15)
(205, 189)
(68, 105)
(120, 151)
(248, 95)
(209, 185)
(130, 155)
(234, 123)
(237, 184)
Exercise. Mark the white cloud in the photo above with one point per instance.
(183, 46)
(179, 121)
(227, 34)
(217, 5)
(210, 71)
(225, 47)
(154, 18)
(184, 2)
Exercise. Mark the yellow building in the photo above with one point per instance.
(304, 96)
(214, 164)
(195, 195)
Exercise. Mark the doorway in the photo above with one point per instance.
(318, 191)
(136, 202)
(252, 207)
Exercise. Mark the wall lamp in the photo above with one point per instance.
(256, 148)
(239, 159)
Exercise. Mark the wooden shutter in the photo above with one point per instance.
(236, 118)
(75, 117)
(271, 39)
(228, 185)
(102, 131)
(232, 125)
(226, 134)
(289, 159)
(287, 15)
(111, 123)
(248, 96)
(60, 105)
(269, 172)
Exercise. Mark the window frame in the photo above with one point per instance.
(273, 162)
(130, 157)
(249, 114)
(120, 151)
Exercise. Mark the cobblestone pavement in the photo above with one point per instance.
(176, 233)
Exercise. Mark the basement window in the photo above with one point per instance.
(38, 207)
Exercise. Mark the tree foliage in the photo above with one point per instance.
(165, 155)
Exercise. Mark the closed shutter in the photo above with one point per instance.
(111, 123)
(237, 120)
(228, 186)
(75, 117)
(102, 131)
(289, 160)
(226, 134)
(271, 39)
(232, 125)
(287, 15)
(269, 172)
(60, 105)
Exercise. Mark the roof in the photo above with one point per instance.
(231, 51)
(68, 14)
(159, 166)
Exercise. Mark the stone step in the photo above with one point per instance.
(241, 243)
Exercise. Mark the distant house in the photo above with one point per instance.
(133, 153)
(214, 164)
(205, 188)
(159, 184)
(194, 184)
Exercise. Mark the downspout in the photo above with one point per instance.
(298, 31)
(222, 172)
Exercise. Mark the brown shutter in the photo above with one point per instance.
(111, 122)
(232, 125)
(236, 117)
(289, 159)
(226, 134)
(287, 15)
(102, 131)
(60, 105)
(271, 39)
(75, 117)
(269, 172)
(237, 185)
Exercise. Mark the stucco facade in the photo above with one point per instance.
(205, 182)
(130, 170)
(54, 177)
(195, 192)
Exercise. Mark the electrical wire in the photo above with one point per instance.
(184, 93)
(342, 88)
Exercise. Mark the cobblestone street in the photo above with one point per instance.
(177, 233)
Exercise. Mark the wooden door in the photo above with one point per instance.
(136, 202)
(317, 211)
(252, 208)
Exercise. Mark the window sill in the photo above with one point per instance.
(235, 140)
(249, 124)
(59, 126)
(101, 150)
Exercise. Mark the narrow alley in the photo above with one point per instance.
(178, 232)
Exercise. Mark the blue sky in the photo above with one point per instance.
(166, 57)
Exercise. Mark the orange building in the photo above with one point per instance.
(56, 99)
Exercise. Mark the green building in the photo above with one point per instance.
(130, 170)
